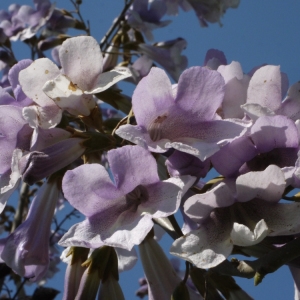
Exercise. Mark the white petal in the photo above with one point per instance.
(241, 235)
(207, 246)
(266, 185)
(15, 171)
(81, 61)
(68, 96)
(265, 87)
(45, 117)
(126, 259)
(107, 79)
(255, 110)
(33, 78)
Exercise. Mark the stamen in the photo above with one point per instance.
(136, 197)
(154, 128)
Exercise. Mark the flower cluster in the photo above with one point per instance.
(63, 131)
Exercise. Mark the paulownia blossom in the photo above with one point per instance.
(70, 88)
(182, 117)
(242, 214)
(274, 137)
(119, 212)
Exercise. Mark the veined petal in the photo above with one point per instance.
(195, 86)
(81, 235)
(255, 110)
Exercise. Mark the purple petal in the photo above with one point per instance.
(77, 185)
(128, 164)
(152, 97)
(13, 74)
(274, 132)
(233, 155)
(196, 85)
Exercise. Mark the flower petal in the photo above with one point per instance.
(196, 85)
(81, 60)
(267, 185)
(68, 96)
(127, 163)
(265, 87)
(241, 235)
(207, 246)
(108, 79)
(33, 78)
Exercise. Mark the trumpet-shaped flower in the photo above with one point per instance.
(71, 88)
(119, 212)
(183, 117)
(26, 250)
(242, 215)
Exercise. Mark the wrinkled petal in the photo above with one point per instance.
(199, 206)
(207, 246)
(126, 259)
(108, 79)
(33, 78)
(267, 185)
(241, 235)
(44, 117)
(68, 96)
(274, 132)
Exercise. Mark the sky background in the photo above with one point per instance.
(255, 33)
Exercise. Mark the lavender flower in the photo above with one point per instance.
(119, 212)
(183, 117)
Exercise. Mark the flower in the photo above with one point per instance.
(26, 250)
(182, 117)
(119, 212)
(241, 215)
(71, 88)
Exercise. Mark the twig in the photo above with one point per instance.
(116, 23)
(77, 7)
(266, 264)
(19, 288)
(62, 221)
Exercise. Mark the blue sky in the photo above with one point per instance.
(257, 32)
